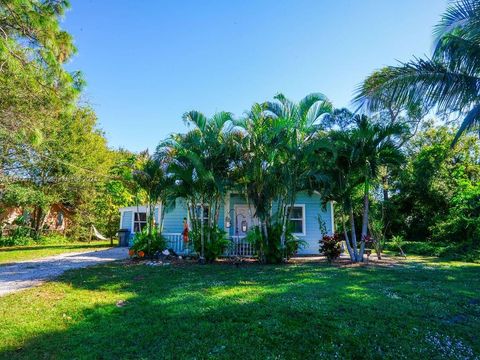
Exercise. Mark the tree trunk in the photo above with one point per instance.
(161, 215)
(347, 240)
(151, 214)
(37, 220)
(385, 187)
(202, 239)
(353, 234)
(285, 218)
(264, 231)
(364, 220)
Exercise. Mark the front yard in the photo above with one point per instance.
(419, 309)
(24, 253)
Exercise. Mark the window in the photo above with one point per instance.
(140, 221)
(297, 219)
(59, 219)
(206, 211)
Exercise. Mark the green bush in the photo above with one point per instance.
(142, 240)
(451, 251)
(53, 238)
(16, 241)
(21, 237)
(215, 241)
(270, 251)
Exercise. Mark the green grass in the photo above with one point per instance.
(421, 309)
(21, 253)
(447, 251)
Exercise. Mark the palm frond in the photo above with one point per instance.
(472, 119)
(196, 118)
(459, 53)
(422, 81)
(457, 15)
(308, 101)
(316, 111)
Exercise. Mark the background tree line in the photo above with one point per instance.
(51, 149)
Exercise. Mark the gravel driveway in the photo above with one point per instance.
(25, 274)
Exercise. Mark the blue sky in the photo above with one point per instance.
(148, 62)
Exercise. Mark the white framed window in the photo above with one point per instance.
(139, 221)
(202, 217)
(297, 219)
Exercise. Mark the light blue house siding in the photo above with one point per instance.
(312, 205)
(313, 211)
(173, 219)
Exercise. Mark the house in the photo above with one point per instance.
(57, 220)
(236, 220)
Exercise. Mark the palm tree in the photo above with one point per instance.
(257, 167)
(274, 166)
(200, 161)
(373, 148)
(448, 81)
(154, 180)
(353, 159)
(295, 126)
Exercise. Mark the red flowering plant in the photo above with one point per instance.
(369, 242)
(330, 246)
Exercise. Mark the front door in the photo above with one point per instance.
(243, 220)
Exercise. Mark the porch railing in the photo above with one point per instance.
(175, 242)
(238, 245)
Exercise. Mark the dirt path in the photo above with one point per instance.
(30, 273)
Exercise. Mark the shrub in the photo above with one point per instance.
(53, 238)
(398, 242)
(215, 242)
(142, 239)
(450, 251)
(20, 237)
(330, 246)
(16, 241)
(270, 251)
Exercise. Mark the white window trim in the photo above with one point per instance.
(135, 209)
(304, 222)
(133, 219)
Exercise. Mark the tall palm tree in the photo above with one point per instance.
(296, 124)
(257, 167)
(449, 80)
(273, 166)
(154, 180)
(200, 162)
(353, 158)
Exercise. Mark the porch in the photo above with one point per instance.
(238, 246)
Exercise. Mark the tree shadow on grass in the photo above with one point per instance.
(300, 311)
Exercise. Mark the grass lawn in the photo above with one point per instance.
(21, 253)
(421, 309)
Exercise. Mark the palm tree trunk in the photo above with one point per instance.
(202, 239)
(285, 218)
(385, 187)
(161, 209)
(347, 240)
(353, 234)
(364, 220)
(210, 222)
